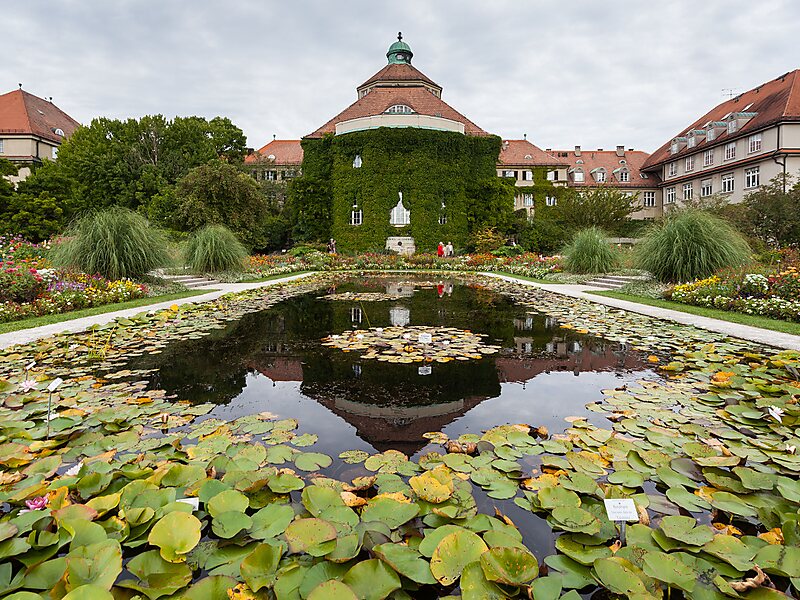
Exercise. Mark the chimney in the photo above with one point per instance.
(548, 150)
(620, 151)
(599, 149)
(577, 150)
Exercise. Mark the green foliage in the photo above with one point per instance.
(487, 239)
(214, 248)
(218, 192)
(771, 213)
(7, 168)
(604, 207)
(116, 243)
(690, 244)
(542, 234)
(429, 167)
(36, 218)
(589, 252)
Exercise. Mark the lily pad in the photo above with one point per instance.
(510, 566)
(313, 536)
(175, 534)
(455, 552)
(372, 579)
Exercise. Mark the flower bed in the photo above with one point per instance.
(775, 295)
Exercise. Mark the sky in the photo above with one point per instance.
(573, 72)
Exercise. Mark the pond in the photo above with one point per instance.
(274, 361)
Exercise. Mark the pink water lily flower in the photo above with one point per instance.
(776, 413)
(28, 385)
(37, 503)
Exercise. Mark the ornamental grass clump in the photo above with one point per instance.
(116, 243)
(589, 252)
(215, 248)
(690, 244)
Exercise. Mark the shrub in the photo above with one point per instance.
(215, 248)
(690, 244)
(589, 252)
(487, 239)
(116, 243)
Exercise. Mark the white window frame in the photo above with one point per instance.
(400, 216)
(711, 135)
(754, 143)
(691, 142)
(732, 126)
(356, 216)
(672, 169)
(270, 175)
(624, 176)
(357, 162)
(706, 187)
(54, 152)
(752, 177)
(673, 149)
(730, 151)
(509, 174)
(728, 183)
(600, 176)
(688, 164)
(2, 147)
(399, 109)
(527, 199)
(578, 176)
(688, 191)
(671, 195)
(550, 200)
(708, 158)
(649, 199)
(527, 176)
(552, 175)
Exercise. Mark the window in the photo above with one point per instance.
(550, 200)
(511, 174)
(730, 151)
(400, 215)
(672, 169)
(708, 158)
(754, 143)
(706, 188)
(732, 126)
(711, 135)
(443, 219)
(670, 195)
(727, 183)
(649, 199)
(577, 176)
(356, 215)
(270, 175)
(674, 148)
(691, 142)
(2, 150)
(688, 191)
(527, 199)
(689, 163)
(356, 314)
(624, 176)
(59, 132)
(752, 177)
(527, 176)
(643, 175)
(552, 175)
(399, 109)
(600, 176)
(54, 152)
(357, 162)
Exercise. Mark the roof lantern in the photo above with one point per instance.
(399, 53)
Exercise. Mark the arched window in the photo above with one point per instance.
(59, 132)
(399, 109)
(443, 214)
(400, 215)
(356, 215)
(357, 162)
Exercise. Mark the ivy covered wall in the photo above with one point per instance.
(429, 167)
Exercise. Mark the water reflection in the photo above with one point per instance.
(391, 405)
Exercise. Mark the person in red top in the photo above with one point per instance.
(440, 250)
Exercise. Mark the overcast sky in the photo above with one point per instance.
(571, 72)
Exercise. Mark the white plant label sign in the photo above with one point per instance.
(621, 509)
(425, 338)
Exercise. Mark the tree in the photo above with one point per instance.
(218, 192)
(36, 218)
(604, 207)
(771, 213)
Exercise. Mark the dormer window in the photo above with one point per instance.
(59, 132)
(624, 176)
(399, 109)
(357, 162)
(599, 175)
(732, 126)
(579, 161)
(711, 135)
(528, 157)
(577, 176)
(691, 141)
(673, 149)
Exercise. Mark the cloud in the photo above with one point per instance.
(575, 72)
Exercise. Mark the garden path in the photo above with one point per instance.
(754, 334)
(28, 335)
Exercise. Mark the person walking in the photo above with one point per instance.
(332, 246)
(440, 250)
(448, 250)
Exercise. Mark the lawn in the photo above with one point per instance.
(96, 310)
(722, 315)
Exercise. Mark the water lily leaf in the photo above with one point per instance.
(228, 524)
(285, 483)
(277, 455)
(353, 457)
(97, 564)
(687, 500)
(156, 576)
(210, 588)
(271, 521)
(570, 518)
(581, 553)
(622, 577)
(372, 579)
(389, 511)
(43, 576)
(628, 478)
(434, 536)
(755, 480)
(259, 568)
(552, 497)
(312, 461)
(332, 590)
(669, 569)
(347, 547)
(730, 503)
(227, 501)
(574, 575)
(175, 534)
(510, 566)
(779, 560)
(732, 550)
(317, 499)
(475, 586)
(686, 530)
(406, 561)
(547, 588)
(89, 591)
(433, 486)
(455, 552)
(313, 536)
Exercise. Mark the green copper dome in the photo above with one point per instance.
(399, 52)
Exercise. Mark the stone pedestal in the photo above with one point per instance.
(401, 245)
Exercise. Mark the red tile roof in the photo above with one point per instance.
(773, 101)
(380, 98)
(608, 160)
(522, 152)
(398, 72)
(286, 152)
(22, 113)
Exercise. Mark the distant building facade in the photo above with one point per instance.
(31, 130)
